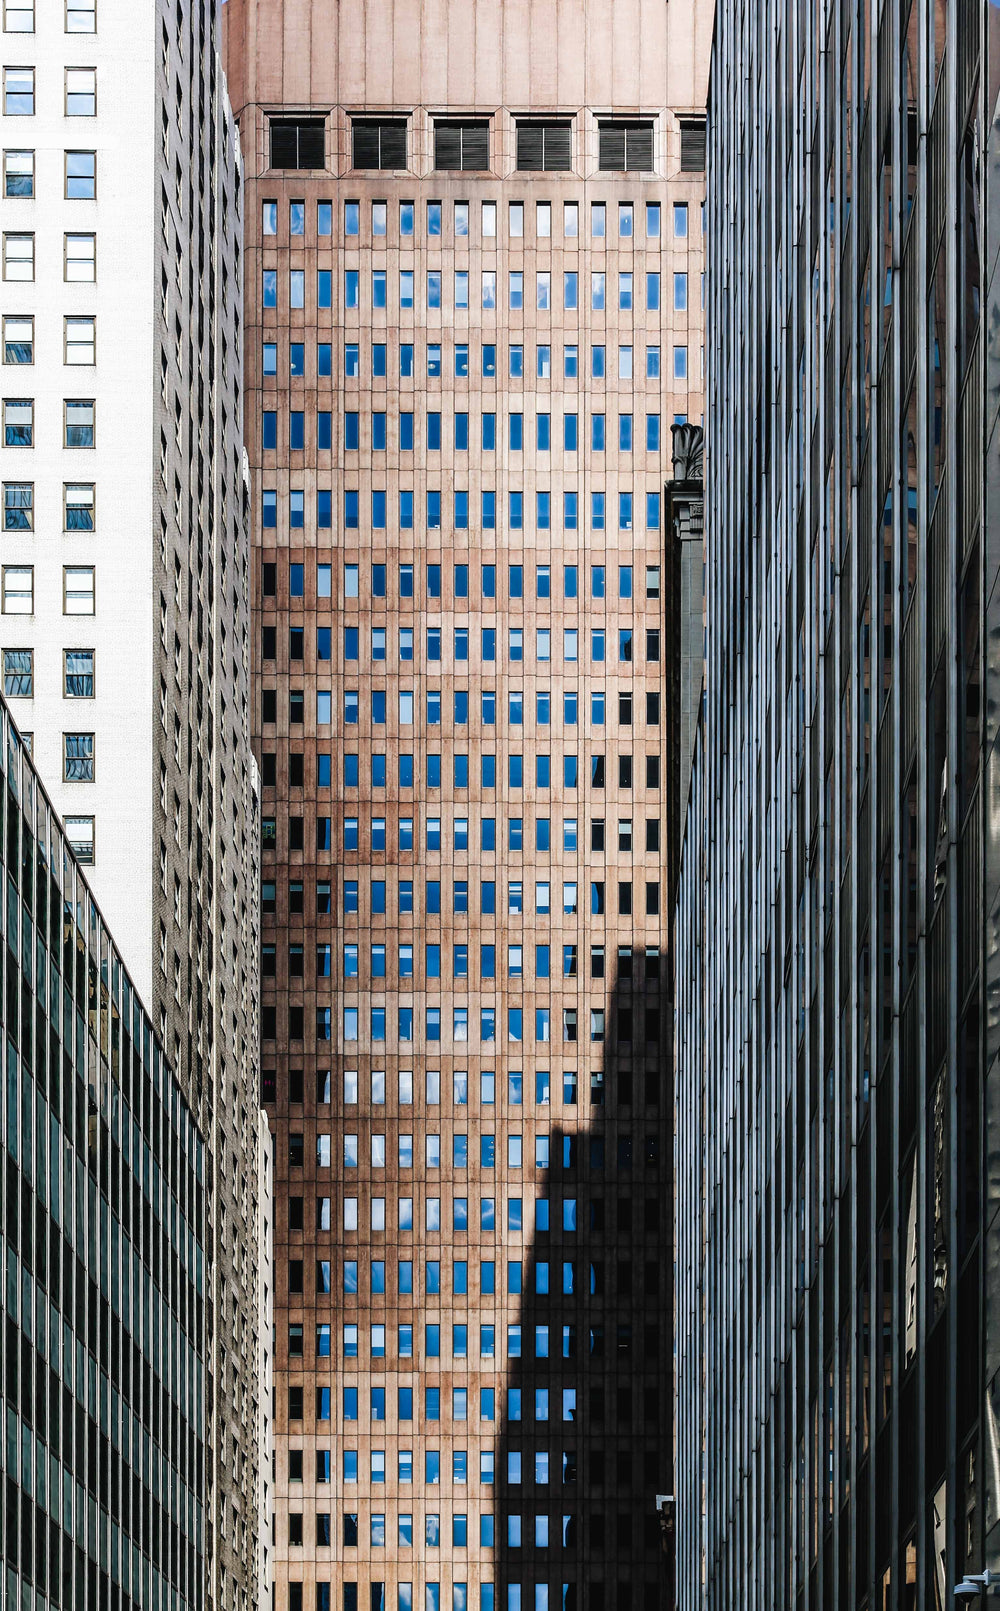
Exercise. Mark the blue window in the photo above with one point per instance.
(624, 511)
(516, 519)
(322, 643)
(516, 433)
(378, 432)
(296, 430)
(597, 511)
(406, 433)
(543, 432)
(433, 511)
(597, 433)
(269, 429)
(489, 432)
(433, 431)
(352, 282)
(324, 289)
(406, 511)
(324, 428)
(269, 510)
(652, 433)
(569, 432)
(378, 358)
(570, 511)
(461, 432)
(378, 510)
(324, 358)
(324, 508)
(351, 511)
(269, 288)
(543, 504)
(652, 511)
(625, 433)
(461, 511)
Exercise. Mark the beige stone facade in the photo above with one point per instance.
(460, 383)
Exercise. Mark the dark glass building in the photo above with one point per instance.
(838, 1103)
(102, 1216)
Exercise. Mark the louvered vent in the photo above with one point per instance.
(693, 146)
(379, 144)
(298, 144)
(626, 147)
(462, 146)
(543, 147)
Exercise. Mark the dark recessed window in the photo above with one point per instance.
(693, 145)
(378, 143)
(462, 145)
(626, 147)
(543, 147)
(298, 143)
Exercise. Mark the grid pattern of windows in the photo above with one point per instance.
(455, 394)
(95, 1417)
(836, 960)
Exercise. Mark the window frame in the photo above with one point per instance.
(77, 152)
(79, 319)
(80, 402)
(68, 72)
(14, 319)
(19, 570)
(9, 236)
(14, 195)
(83, 859)
(79, 235)
(79, 486)
(93, 674)
(627, 126)
(92, 777)
(79, 570)
(83, 8)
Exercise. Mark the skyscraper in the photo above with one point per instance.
(837, 1082)
(473, 312)
(103, 1224)
(124, 588)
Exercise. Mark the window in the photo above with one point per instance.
(18, 421)
(18, 506)
(18, 257)
(18, 673)
(18, 589)
(378, 143)
(18, 341)
(693, 145)
(78, 589)
(79, 423)
(80, 341)
(78, 673)
(298, 143)
(80, 833)
(81, 16)
(81, 92)
(18, 173)
(81, 175)
(79, 258)
(78, 506)
(626, 147)
(19, 16)
(78, 757)
(19, 91)
(462, 145)
(544, 147)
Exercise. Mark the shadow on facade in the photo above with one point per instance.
(587, 1433)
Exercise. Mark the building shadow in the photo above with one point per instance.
(586, 1440)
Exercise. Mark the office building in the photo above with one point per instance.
(124, 585)
(836, 939)
(104, 1225)
(473, 268)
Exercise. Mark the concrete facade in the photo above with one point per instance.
(124, 625)
(461, 376)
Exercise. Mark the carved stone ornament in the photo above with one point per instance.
(689, 450)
